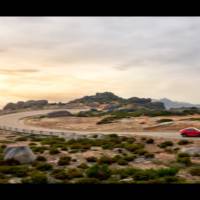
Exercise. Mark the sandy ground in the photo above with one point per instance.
(128, 124)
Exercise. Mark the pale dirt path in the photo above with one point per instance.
(16, 121)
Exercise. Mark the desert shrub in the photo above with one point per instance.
(100, 172)
(150, 141)
(11, 162)
(164, 120)
(148, 174)
(166, 144)
(184, 158)
(130, 157)
(32, 144)
(133, 147)
(124, 172)
(182, 155)
(44, 166)
(129, 140)
(74, 173)
(39, 149)
(59, 174)
(195, 171)
(19, 170)
(143, 138)
(83, 166)
(87, 180)
(122, 161)
(41, 158)
(91, 159)
(64, 160)
(149, 155)
(21, 139)
(105, 160)
(53, 140)
(141, 152)
(38, 178)
(53, 151)
(107, 146)
(183, 142)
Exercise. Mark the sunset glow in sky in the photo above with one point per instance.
(62, 58)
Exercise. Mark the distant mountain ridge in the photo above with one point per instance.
(175, 104)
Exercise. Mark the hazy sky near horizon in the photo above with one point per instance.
(62, 58)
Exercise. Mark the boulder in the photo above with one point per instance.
(62, 113)
(191, 150)
(21, 153)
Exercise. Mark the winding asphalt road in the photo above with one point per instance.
(15, 121)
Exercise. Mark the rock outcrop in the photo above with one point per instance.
(191, 150)
(21, 153)
(27, 104)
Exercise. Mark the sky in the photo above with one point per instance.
(63, 58)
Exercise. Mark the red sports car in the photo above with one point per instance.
(190, 132)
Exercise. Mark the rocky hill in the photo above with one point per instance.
(108, 100)
(26, 104)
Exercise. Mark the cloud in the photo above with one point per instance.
(127, 55)
(18, 71)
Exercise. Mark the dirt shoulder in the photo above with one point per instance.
(143, 123)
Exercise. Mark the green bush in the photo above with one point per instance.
(38, 178)
(100, 172)
(44, 166)
(166, 144)
(64, 160)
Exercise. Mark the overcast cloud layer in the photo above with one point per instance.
(60, 59)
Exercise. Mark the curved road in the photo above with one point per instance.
(15, 121)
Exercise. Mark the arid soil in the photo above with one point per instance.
(127, 124)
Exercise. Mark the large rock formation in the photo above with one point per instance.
(27, 104)
(21, 153)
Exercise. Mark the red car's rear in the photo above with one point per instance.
(190, 132)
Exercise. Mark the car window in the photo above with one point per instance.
(191, 129)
